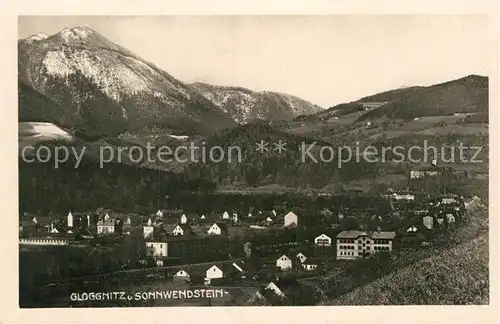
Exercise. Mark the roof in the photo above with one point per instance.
(322, 234)
(373, 235)
(222, 226)
(351, 234)
(291, 214)
(383, 235)
(106, 222)
(186, 228)
(312, 260)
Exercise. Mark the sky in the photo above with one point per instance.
(326, 60)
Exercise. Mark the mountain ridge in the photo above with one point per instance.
(80, 69)
(243, 104)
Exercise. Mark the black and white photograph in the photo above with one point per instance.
(253, 160)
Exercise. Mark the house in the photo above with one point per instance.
(214, 272)
(450, 219)
(355, 244)
(225, 215)
(323, 240)
(412, 229)
(106, 226)
(128, 221)
(275, 289)
(182, 229)
(159, 213)
(157, 249)
(428, 222)
(148, 229)
(203, 217)
(311, 264)
(268, 220)
(290, 219)
(247, 249)
(403, 196)
(181, 276)
(273, 212)
(301, 257)
(284, 262)
(183, 219)
(217, 229)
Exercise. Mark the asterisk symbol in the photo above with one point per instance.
(280, 146)
(262, 146)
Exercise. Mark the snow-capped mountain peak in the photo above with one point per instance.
(76, 33)
(103, 83)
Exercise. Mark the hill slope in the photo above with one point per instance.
(468, 94)
(108, 87)
(243, 105)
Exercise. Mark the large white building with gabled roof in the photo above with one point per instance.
(352, 245)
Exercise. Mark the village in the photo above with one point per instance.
(263, 252)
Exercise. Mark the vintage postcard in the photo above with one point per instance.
(241, 161)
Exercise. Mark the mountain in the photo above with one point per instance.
(245, 105)
(109, 88)
(36, 107)
(465, 95)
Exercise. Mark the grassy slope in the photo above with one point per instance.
(456, 276)
(453, 271)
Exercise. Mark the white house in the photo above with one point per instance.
(159, 213)
(450, 218)
(106, 226)
(225, 215)
(181, 276)
(214, 272)
(106, 216)
(352, 245)
(217, 229)
(182, 229)
(147, 230)
(301, 257)
(274, 213)
(202, 217)
(272, 287)
(323, 240)
(157, 249)
(428, 222)
(269, 219)
(284, 262)
(311, 264)
(290, 219)
(184, 219)
(128, 221)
